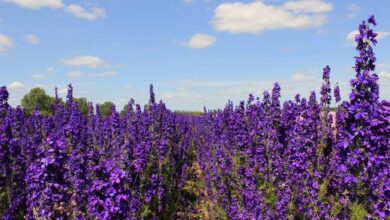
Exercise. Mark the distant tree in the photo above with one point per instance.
(37, 97)
(125, 109)
(185, 112)
(105, 108)
(82, 105)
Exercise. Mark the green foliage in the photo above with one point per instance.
(4, 200)
(82, 105)
(358, 212)
(146, 212)
(37, 97)
(125, 109)
(336, 209)
(219, 213)
(270, 197)
(193, 113)
(105, 108)
(323, 190)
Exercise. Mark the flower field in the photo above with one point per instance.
(260, 159)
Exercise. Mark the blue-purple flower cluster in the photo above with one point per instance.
(67, 165)
(262, 159)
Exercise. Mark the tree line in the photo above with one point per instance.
(37, 98)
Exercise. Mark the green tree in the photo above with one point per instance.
(105, 108)
(37, 97)
(82, 105)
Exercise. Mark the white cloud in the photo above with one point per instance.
(36, 4)
(81, 12)
(5, 42)
(16, 85)
(384, 75)
(63, 91)
(50, 69)
(351, 35)
(382, 34)
(75, 74)
(38, 76)
(103, 74)
(32, 39)
(91, 61)
(257, 16)
(353, 10)
(302, 78)
(200, 41)
(308, 6)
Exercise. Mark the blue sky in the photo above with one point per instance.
(194, 52)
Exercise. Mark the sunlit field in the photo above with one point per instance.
(266, 157)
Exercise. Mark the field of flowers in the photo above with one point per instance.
(261, 159)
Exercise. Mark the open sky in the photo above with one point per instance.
(195, 52)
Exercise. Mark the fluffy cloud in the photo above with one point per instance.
(384, 75)
(81, 12)
(257, 16)
(192, 94)
(200, 41)
(32, 39)
(50, 69)
(103, 74)
(351, 36)
(36, 4)
(353, 10)
(302, 78)
(91, 61)
(5, 42)
(75, 74)
(63, 91)
(38, 76)
(16, 85)
(308, 6)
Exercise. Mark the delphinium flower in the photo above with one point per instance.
(5, 154)
(116, 139)
(222, 164)
(284, 193)
(299, 160)
(3, 100)
(108, 194)
(182, 152)
(248, 190)
(152, 97)
(140, 141)
(321, 114)
(378, 161)
(139, 145)
(48, 181)
(257, 160)
(204, 131)
(16, 183)
(337, 93)
(325, 89)
(5, 127)
(356, 143)
(76, 133)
